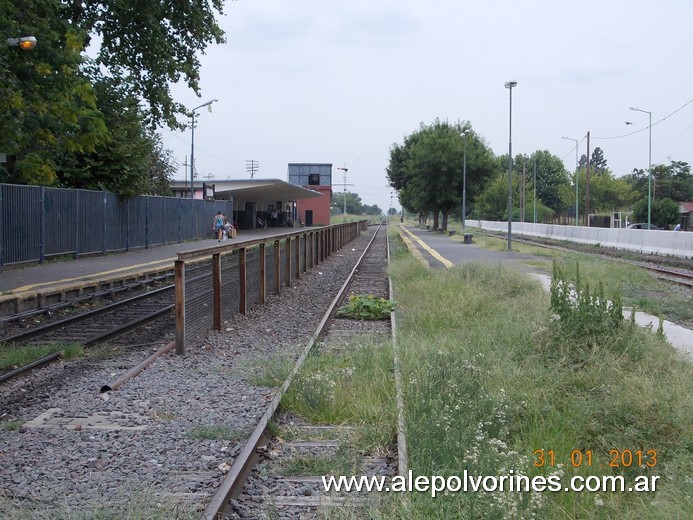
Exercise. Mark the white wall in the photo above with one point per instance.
(666, 243)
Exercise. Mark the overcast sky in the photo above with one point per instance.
(341, 81)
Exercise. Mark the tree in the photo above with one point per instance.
(551, 176)
(598, 162)
(81, 124)
(373, 210)
(673, 181)
(607, 194)
(149, 45)
(353, 203)
(664, 212)
(492, 204)
(428, 168)
(51, 104)
(162, 167)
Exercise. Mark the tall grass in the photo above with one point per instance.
(493, 371)
(352, 385)
(638, 287)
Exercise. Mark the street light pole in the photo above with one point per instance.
(464, 182)
(509, 85)
(649, 176)
(192, 145)
(577, 200)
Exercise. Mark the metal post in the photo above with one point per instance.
(464, 182)
(192, 146)
(509, 85)
(577, 200)
(179, 267)
(192, 158)
(535, 190)
(649, 176)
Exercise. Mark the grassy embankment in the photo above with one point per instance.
(492, 373)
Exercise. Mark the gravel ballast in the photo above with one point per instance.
(159, 445)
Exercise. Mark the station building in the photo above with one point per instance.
(303, 200)
(256, 202)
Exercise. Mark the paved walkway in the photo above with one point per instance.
(441, 251)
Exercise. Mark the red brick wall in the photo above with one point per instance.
(319, 205)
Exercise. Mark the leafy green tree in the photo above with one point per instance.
(673, 181)
(50, 103)
(638, 181)
(149, 45)
(597, 162)
(551, 176)
(372, 210)
(428, 169)
(162, 168)
(354, 206)
(66, 130)
(664, 212)
(607, 194)
(492, 204)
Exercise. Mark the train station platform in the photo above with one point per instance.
(26, 287)
(440, 251)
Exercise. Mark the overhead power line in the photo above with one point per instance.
(643, 129)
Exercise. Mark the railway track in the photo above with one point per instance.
(256, 486)
(103, 324)
(179, 425)
(93, 327)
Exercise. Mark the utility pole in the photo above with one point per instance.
(251, 167)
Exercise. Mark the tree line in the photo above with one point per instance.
(428, 168)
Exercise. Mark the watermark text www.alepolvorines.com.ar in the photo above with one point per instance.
(467, 482)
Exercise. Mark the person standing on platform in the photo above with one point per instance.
(677, 227)
(219, 225)
(273, 218)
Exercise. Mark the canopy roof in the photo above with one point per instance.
(262, 190)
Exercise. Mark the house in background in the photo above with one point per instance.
(686, 210)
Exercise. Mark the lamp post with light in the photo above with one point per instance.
(509, 85)
(192, 144)
(649, 166)
(577, 222)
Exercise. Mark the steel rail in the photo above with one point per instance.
(119, 331)
(40, 331)
(26, 368)
(232, 485)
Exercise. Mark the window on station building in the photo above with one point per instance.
(314, 179)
